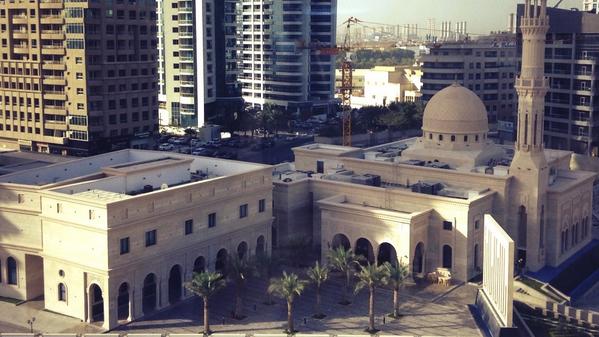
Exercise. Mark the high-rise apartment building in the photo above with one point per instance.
(486, 66)
(187, 60)
(78, 77)
(571, 64)
(281, 53)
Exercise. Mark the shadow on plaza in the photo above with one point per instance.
(419, 312)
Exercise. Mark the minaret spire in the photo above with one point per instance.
(529, 167)
(532, 85)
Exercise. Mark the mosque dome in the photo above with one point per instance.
(455, 110)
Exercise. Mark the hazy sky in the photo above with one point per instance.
(482, 16)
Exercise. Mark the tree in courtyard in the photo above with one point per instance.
(287, 287)
(318, 275)
(206, 285)
(371, 276)
(265, 266)
(398, 273)
(344, 261)
(238, 272)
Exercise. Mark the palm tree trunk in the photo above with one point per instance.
(318, 300)
(206, 317)
(238, 301)
(345, 290)
(396, 302)
(290, 317)
(371, 310)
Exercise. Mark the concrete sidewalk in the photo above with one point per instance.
(13, 318)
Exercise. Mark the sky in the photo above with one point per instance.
(482, 16)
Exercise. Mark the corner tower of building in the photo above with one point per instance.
(529, 167)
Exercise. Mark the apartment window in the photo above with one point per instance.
(124, 245)
(447, 225)
(188, 226)
(211, 220)
(150, 238)
(79, 76)
(243, 211)
(476, 224)
(261, 205)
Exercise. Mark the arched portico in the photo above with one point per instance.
(123, 303)
(340, 240)
(364, 248)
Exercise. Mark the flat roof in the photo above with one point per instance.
(124, 161)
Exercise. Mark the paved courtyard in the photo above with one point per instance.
(430, 310)
(427, 310)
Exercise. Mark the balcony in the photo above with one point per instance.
(52, 19)
(51, 4)
(52, 35)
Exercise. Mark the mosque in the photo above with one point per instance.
(423, 200)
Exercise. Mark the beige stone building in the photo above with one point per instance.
(113, 237)
(423, 200)
(78, 77)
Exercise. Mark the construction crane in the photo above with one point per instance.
(346, 73)
(346, 82)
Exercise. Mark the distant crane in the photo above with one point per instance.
(347, 82)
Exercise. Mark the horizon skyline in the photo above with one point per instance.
(479, 22)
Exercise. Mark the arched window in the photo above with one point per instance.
(447, 257)
(11, 268)
(430, 136)
(476, 138)
(62, 292)
(465, 138)
(453, 138)
(440, 138)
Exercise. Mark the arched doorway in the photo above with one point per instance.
(386, 253)
(175, 282)
(260, 248)
(447, 256)
(418, 261)
(199, 265)
(221, 261)
(123, 302)
(364, 248)
(148, 301)
(242, 250)
(340, 240)
(96, 303)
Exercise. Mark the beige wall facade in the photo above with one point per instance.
(67, 238)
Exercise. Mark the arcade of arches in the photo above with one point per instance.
(386, 252)
(157, 290)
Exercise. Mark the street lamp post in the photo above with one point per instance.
(30, 322)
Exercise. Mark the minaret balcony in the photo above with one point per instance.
(528, 83)
(534, 22)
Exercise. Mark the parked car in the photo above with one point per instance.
(166, 147)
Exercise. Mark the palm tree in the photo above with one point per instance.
(371, 276)
(398, 273)
(318, 275)
(287, 287)
(205, 285)
(344, 261)
(238, 271)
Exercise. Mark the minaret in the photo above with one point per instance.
(529, 167)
